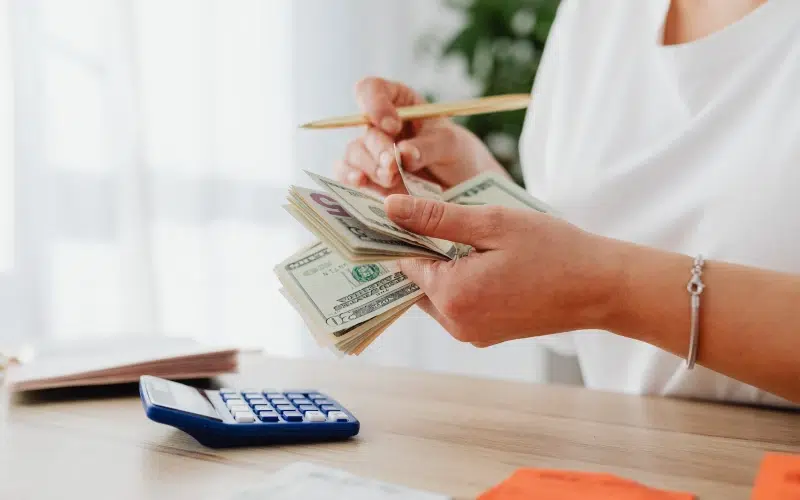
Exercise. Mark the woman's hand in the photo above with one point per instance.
(436, 149)
(530, 274)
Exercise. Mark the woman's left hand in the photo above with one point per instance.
(529, 275)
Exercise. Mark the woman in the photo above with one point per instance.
(662, 131)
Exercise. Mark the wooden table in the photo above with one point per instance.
(448, 434)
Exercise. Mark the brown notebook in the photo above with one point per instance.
(116, 360)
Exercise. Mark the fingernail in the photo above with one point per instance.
(385, 159)
(390, 124)
(354, 177)
(410, 150)
(385, 176)
(400, 206)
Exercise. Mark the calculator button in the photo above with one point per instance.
(324, 402)
(302, 401)
(253, 395)
(272, 395)
(262, 408)
(231, 396)
(279, 401)
(293, 416)
(315, 416)
(307, 408)
(285, 407)
(239, 408)
(293, 395)
(315, 395)
(268, 416)
(261, 401)
(337, 416)
(244, 417)
(329, 408)
(235, 402)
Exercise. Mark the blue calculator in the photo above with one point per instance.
(230, 417)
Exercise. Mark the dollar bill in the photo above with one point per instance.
(492, 188)
(347, 287)
(369, 210)
(336, 295)
(415, 185)
(332, 223)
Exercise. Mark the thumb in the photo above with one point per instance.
(482, 227)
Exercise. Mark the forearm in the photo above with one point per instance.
(749, 318)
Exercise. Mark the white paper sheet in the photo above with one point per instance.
(306, 481)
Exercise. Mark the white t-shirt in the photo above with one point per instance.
(693, 148)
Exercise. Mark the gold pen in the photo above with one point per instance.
(491, 104)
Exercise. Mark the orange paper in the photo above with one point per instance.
(778, 478)
(566, 485)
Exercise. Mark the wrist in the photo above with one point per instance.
(647, 286)
(611, 286)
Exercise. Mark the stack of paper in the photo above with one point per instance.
(116, 360)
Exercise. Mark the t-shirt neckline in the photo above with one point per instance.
(737, 40)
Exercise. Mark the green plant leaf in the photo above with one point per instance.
(486, 44)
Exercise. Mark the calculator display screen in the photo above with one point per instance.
(180, 397)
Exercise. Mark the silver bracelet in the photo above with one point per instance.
(695, 288)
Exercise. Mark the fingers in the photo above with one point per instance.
(482, 227)
(453, 327)
(370, 155)
(349, 175)
(427, 305)
(435, 146)
(379, 99)
(375, 97)
(381, 147)
(423, 272)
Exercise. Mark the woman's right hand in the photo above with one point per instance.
(436, 148)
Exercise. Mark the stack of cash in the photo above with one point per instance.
(347, 286)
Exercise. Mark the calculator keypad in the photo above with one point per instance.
(293, 416)
(244, 417)
(270, 406)
(315, 416)
(337, 416)
(268, 416)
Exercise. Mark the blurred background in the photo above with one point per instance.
(147, 147)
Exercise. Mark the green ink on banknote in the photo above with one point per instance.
(366, 273)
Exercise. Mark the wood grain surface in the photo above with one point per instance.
(450, 434)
